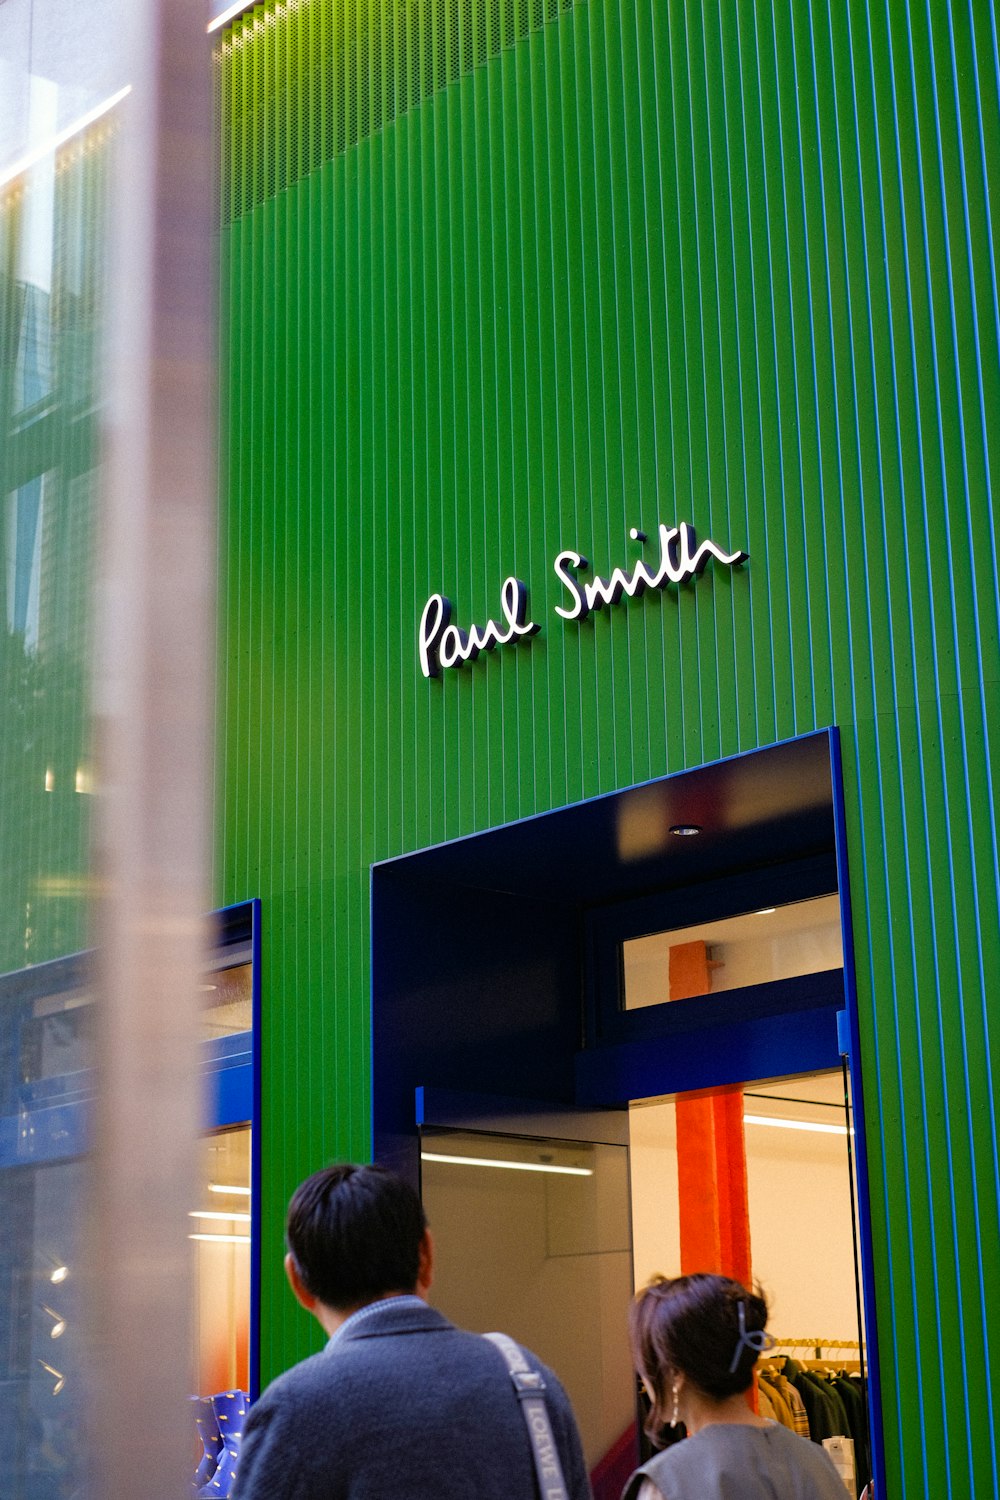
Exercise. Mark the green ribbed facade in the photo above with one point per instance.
(635, 262)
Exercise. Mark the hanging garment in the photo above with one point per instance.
(854, 1403)
(781, 1409)
(838, 1414)
(800, 1419)
(823, 1417)
(764, 1403)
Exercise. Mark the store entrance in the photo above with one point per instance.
(616, 1040)
(546, 1236)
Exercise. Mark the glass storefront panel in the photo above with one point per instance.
(46, 1108)
(220, 1232)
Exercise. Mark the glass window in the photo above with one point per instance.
(755, 948)
(228, 1001)
(46, 1099)
(220, 1230)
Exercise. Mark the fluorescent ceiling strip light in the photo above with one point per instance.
(512, 1166)
(223, 1187)
(222, 1239)
(38, 153)
(783, 1124)
(207, 1213)
(230, 14)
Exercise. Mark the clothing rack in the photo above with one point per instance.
(817, 1344)
(834, 1359)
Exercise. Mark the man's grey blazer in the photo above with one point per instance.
(401, 1405)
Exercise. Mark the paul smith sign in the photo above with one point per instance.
(443, 644)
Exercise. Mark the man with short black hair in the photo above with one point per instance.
(401, 1404)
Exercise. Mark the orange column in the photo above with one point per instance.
(712, 1187)
(698, 1184)
(712, 1184)
(731, 1175)
(711, 1155)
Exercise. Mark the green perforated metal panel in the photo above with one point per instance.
(301, 81)
(727, 264)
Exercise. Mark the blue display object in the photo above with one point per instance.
(225, 1412)
(211, 1440)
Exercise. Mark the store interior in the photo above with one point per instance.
(547, 1239)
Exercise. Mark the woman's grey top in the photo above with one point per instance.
(738, 1461)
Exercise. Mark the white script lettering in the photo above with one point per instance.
(443, 644)
(680, 558)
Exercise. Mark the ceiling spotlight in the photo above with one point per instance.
(686, 830)
(764, 911)
(60, 1380)
(59, 1323)
(59, 1274)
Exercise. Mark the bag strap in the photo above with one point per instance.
(530, 1389)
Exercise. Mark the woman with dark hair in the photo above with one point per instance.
(695, 1341)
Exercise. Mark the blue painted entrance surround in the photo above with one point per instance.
(496, 969)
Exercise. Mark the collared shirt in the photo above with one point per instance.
(409, 1299)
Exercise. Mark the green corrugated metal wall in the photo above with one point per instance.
(730, 264)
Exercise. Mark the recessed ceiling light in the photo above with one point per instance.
(222, 1239)
(208, 1213)
(512, 1166)
(686, 830)
(780, 1122)
(764, 911)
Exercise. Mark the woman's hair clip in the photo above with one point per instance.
(757, 1339)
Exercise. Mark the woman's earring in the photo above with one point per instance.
(674, 1413)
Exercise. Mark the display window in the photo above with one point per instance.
(47, 1088)
(221, 1235)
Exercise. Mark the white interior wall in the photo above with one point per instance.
(545, 1259)
(801, 1239)
(656, 1234)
